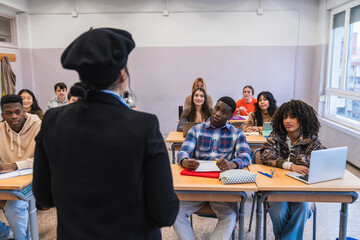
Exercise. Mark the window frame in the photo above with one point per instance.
(13, 27)
(341, 92)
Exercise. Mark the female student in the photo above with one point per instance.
(84, 150)
(245, 106)
(76, 93)
(264, 110)
(289, 146)
(198, 83)
(30, 104)
(199, 110)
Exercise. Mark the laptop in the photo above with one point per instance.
(325, 165)
(267, 129)
(187, 126)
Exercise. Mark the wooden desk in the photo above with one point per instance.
(237, 122)
(21, 188)
(286, 189)
(177, 139)
(190, 188)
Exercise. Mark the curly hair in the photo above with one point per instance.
(205, 110)
(305, 114)
(272, 107)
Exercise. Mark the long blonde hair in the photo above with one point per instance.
(196, 82)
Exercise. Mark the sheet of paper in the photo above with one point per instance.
(207, 166)
(252, 133)
(16, 173)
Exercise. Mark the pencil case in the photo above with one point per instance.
(237, 176)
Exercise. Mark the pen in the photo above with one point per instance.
(276, 172)
(272, 172)
(266, 174)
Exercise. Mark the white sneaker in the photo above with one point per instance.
(11, 235)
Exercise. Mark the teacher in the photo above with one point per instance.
(103, 166)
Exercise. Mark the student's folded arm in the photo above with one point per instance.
(162, 203)
(242, 151)
(27, 163)
(42, 175)
(187, 147)
(269, 154)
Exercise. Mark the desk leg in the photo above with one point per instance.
(33, 219)
(241, 220)
(258, 218)
(343, 221)
(173, 153)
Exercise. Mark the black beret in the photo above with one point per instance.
(98, 55)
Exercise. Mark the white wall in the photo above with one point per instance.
(190, 26)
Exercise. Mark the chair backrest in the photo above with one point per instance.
(256, 157)
(180, 108)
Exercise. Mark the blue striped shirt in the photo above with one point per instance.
(206, 142)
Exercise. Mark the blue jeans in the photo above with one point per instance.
(17, 214)
(4, 231)
(289, 219)
(224, 227)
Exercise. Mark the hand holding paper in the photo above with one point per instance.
(224, 164)
(190, 164)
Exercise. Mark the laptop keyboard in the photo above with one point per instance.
(304, 177)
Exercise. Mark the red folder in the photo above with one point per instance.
(200, 174)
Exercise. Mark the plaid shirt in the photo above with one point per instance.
(206, 142)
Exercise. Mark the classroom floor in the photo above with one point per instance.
(327, 221)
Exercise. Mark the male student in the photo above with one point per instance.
(17, 146)
(60, 98)
(212, 140)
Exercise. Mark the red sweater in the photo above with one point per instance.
(250, 107)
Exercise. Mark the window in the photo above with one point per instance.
(8, 37)
(343, 85)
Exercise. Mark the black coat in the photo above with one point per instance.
(106, 170)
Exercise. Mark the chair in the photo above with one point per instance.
(180, 109)
(206, 211)
(256, 160)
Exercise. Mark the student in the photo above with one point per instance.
(245, 106)
(30, 104)
(198, 83)
(264, 110)
(60, 98)
(199, 110)
(17, 146)
(289, 146)
(213, 139)
(111, 179)
(76, 93)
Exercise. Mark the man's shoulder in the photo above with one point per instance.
(53, 99)
(233, 129)
(201, 126)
